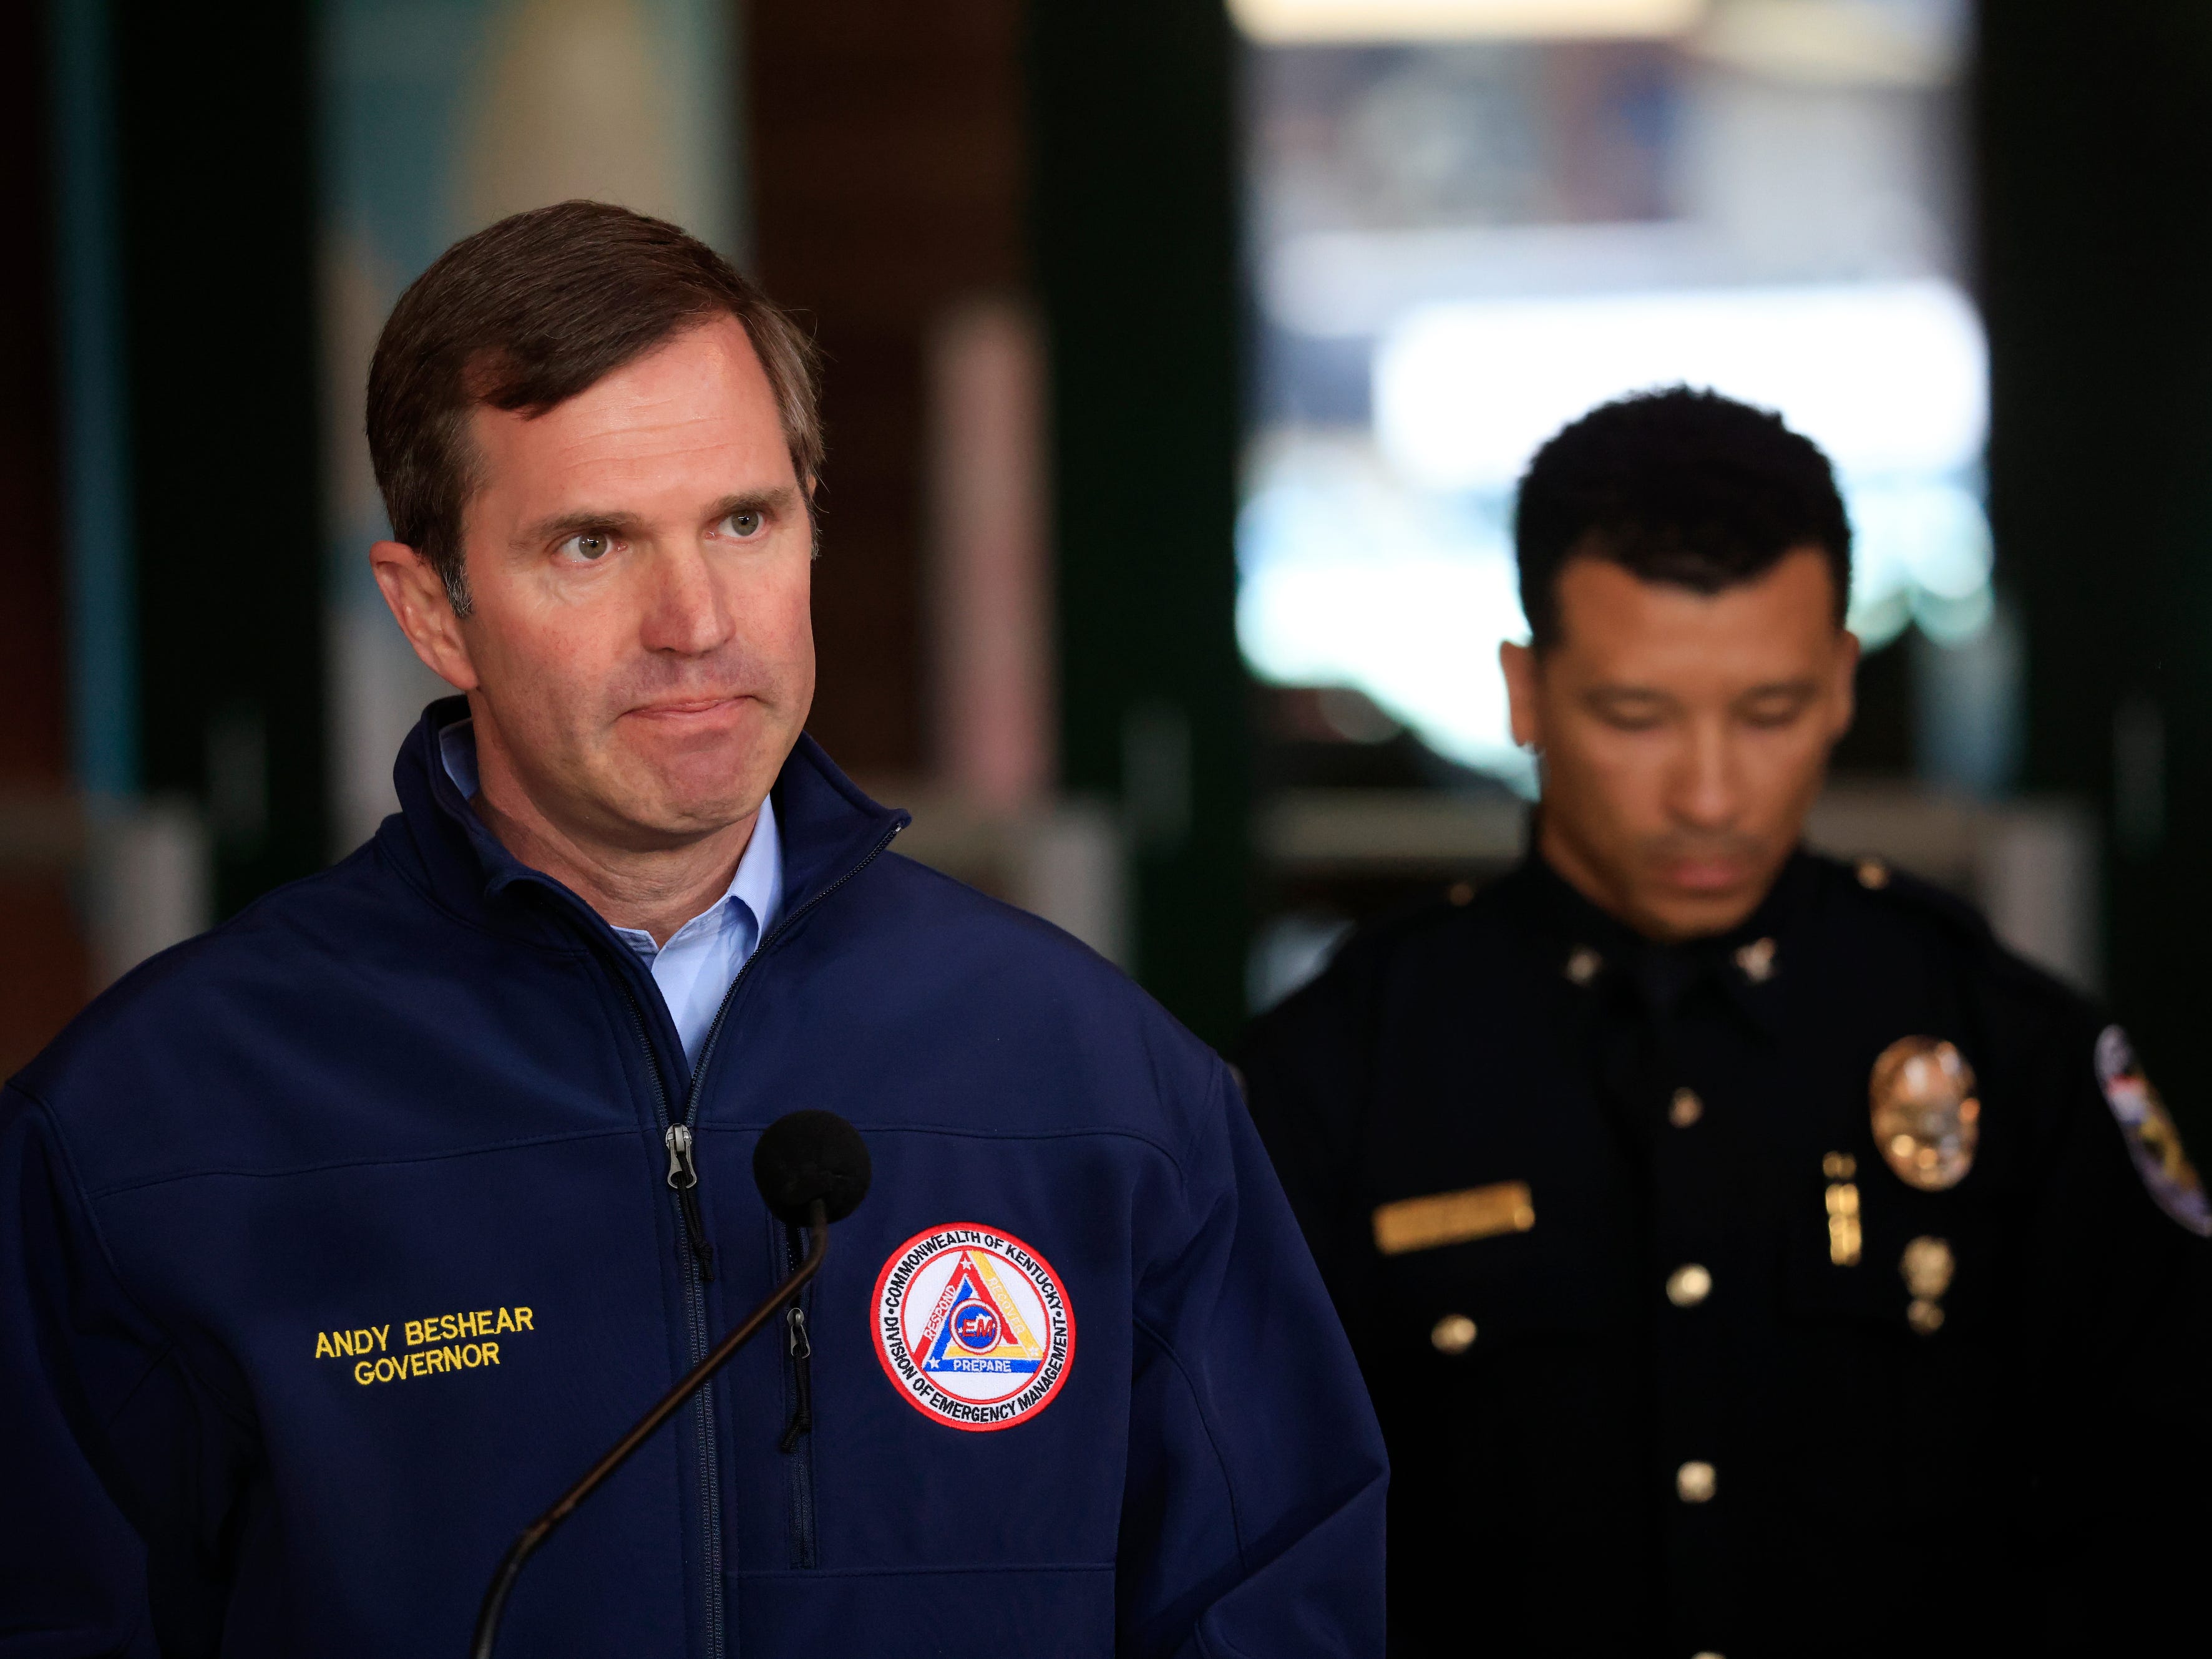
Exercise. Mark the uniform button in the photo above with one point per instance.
(1874, 874)
(1583, 964)
(1685, 1109)
(1688, 1285)
(1694, 1481)
(1707, 1654)
(1453, 1333)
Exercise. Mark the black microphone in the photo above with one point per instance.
(812, 1169)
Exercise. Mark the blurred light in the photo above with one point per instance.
(1289, 22)
(1289, 953)
(1353, 284)
(1867, 43)
(1793, 262)
(1921, 553)
(1348, 579)
(1418, 633)
(1354, 716)
(1886, 377)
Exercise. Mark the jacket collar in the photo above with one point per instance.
(829, 828)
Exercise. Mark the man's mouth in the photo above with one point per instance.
(687, 707)
(1705, 873)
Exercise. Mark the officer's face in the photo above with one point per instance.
(639, 649)
(1683, 735)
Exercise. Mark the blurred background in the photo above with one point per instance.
(1180, 362)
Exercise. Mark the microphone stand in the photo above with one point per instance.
(531, 1536)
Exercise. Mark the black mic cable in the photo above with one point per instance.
(812, 1167)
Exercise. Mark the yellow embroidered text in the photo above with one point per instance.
(429, 1346)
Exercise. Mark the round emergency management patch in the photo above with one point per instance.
(973, 1327)
(2152, 1141)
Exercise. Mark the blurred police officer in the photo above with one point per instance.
(1747, 1253)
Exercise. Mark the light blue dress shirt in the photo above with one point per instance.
(695, 968)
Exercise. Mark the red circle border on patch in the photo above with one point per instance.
(950, 1231)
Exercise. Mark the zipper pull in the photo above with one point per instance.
(801, 1348)
(683, 1177)
(683, 1173)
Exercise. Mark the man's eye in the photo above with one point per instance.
(1770, 714)
(745, 523)
(587, 545)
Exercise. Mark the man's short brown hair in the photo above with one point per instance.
(525, 315)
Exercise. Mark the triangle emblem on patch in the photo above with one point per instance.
(977, 1325)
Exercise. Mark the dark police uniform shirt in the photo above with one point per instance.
(1832, 1286)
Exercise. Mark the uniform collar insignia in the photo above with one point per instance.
(1756, 959)
(1588, 947)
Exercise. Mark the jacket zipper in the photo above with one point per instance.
(683, 1177)
(801, 1349)
(692, 1226)
(797, 1442)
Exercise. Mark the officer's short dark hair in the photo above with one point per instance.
(1678, 486)
(527, 313)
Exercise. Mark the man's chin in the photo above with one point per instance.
(1685, 912)
(681, 797)
(663, 823)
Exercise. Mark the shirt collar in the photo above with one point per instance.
(1744, 963)
(457, 752)
(757, 884)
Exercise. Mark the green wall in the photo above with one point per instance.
(2095, 166)
(214, 192)
(1134, 216)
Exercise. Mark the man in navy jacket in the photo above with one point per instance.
(333, 1244)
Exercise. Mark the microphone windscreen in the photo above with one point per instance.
(803, 1156)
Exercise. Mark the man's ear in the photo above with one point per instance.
(424, 612)
(1847, 680)
(1522, 668)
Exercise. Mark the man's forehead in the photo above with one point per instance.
(1608, 609)
(705, 373)
(697, 415)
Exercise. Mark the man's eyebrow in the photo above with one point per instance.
(1803, 686)
(561, 526)
(777, 498)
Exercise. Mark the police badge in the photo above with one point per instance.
(2152, 1141)
(1926, 1120)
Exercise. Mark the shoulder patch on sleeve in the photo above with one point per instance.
(2152, 1140)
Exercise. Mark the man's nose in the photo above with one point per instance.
(1707, 792)
(686, 611)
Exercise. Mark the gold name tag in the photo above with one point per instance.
(1426, 1224)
